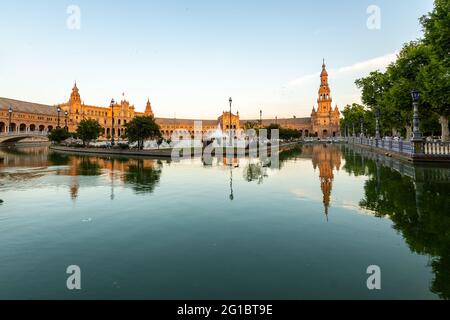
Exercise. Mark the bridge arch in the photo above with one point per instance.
(32, 127)
(23, 127)
(18, 136)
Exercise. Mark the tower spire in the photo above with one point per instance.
(75, 95)
(148, 108)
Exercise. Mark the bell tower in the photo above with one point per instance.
(75, 101)
(325, 120)
(148, 109)
(75, 95)
(324, 101)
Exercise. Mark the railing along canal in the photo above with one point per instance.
(427, 150)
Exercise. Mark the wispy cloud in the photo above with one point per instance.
(379, 63)
(370, 65)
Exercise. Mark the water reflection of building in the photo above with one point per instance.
(24, 157)
(328, 159)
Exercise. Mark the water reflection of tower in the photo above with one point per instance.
(74, 184)
(74, 187)
(328, 159)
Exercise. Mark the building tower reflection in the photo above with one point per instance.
(74, 184)
(74, 187)
(328, 159)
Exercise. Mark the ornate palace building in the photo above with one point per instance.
(31, 117)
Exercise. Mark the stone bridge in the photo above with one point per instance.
(12, 137)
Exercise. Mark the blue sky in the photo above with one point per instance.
(188, 57)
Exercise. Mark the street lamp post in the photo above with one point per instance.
(112, 122)
(231, 102)
(377, 127)
(59, 117)
(417, 139)
(260, 118)
(66, 114)
(354, 133)
(10, 111)
(362, 127)
(416, 119)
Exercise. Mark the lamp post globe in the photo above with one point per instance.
(415, 95)
(377, 125)
(66, 115)
(417, 135)
(59, 117)
(112, 121)
(362, 127)
(230, 127)
(10, 111)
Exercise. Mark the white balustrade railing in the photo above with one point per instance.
(437, 148)
(432, 148)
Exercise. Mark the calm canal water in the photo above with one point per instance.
(149, 229)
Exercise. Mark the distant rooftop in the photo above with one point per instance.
(27, 107)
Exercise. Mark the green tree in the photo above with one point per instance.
(390, 92)
(283, 133)
(352, 116)
(404, 75)
(373, 88)
(436, 26)
(143, 128)
(89, 130)
(251, 125)
(373, 95)
(423, 65)
(436, 77)
(58, 135)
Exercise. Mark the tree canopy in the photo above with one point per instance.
(423, 65)
(58, 135)
(89, 130)
(143, 128)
